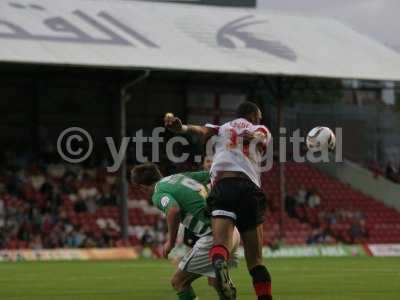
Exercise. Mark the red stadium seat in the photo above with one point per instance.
(334, 196)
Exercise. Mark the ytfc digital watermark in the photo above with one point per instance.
(75, 145)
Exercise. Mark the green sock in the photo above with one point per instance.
(187, 294)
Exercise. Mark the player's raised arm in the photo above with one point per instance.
(175, 125)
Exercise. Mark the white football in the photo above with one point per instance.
(320, 139)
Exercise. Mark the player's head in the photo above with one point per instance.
(146, 174)
(249, 111)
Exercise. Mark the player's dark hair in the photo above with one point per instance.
(245, 109)
(146, 174)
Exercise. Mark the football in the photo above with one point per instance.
(321, 139)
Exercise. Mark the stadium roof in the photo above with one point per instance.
(184, 37)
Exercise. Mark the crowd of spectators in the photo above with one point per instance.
(304, 198)
(391, 170)
(43, 202)
(328, 226)
(34, 212)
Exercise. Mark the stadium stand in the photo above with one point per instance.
(56, 205)
(344, 214)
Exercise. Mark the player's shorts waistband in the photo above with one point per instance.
(222, 175)
(224, 213)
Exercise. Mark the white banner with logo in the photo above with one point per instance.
(69, 254)
(384, 249)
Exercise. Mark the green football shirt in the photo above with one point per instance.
(188, 191)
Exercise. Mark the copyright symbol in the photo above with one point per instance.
(70, 145)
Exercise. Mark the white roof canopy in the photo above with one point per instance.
(185, 37)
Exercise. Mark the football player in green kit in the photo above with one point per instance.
(182, 197)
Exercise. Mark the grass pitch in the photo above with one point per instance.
(293, 279)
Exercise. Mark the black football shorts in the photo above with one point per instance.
(239, 199)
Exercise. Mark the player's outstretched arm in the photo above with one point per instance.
(173, 227)
(175, 125)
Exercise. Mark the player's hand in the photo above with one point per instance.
(172, 123)
(168, 246)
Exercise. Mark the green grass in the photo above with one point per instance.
(305, 279)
